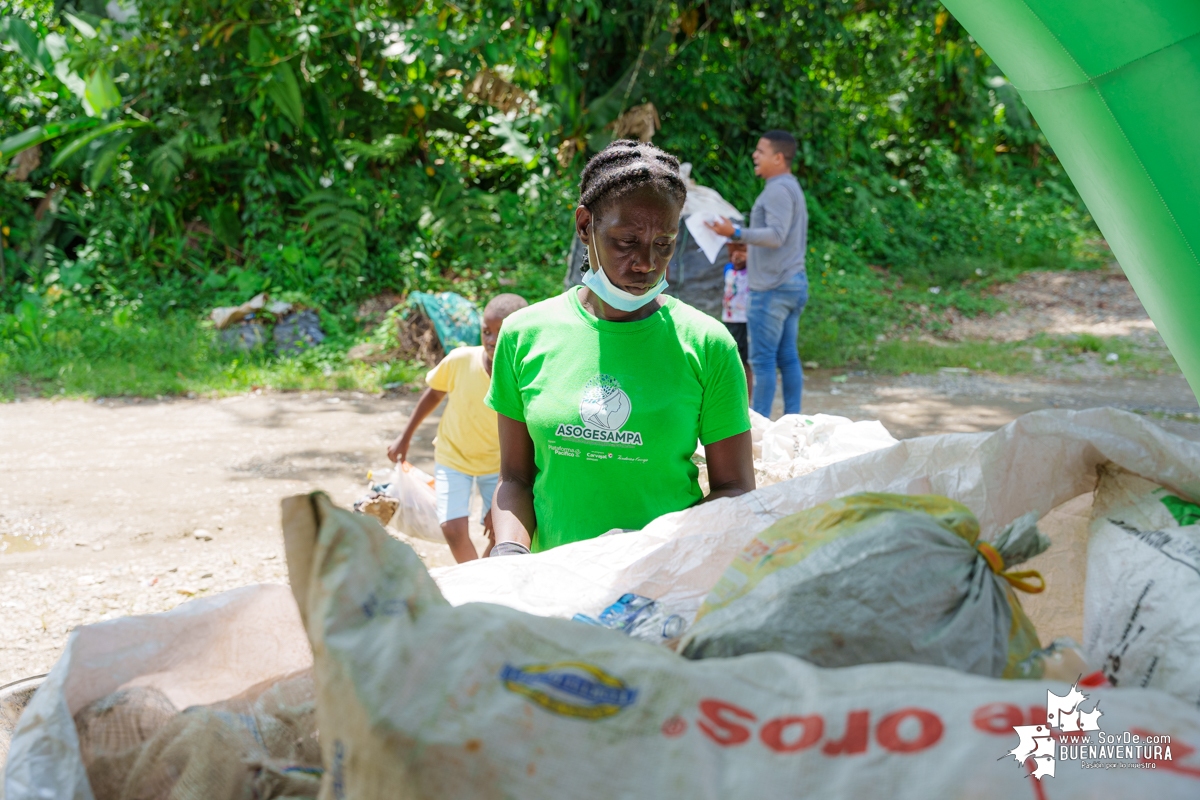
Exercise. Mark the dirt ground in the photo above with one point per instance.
(120, 507)
(123, 507)
(1100, 302)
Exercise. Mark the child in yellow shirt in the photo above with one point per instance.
(467, 450)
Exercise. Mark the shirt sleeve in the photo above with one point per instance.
(441, 378)
(504, 395)
(724, 404)
(779, 209)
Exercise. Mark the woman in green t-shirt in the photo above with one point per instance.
(603, 391)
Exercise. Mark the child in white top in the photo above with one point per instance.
(733, 307)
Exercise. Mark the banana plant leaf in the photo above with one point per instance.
(78, 143)
(31, 137)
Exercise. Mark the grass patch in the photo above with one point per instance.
(859, 317)
(1051, 356)
(1132, 359)
(88, 356)
(853, 305)
(899, 357)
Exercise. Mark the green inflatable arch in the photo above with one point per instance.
(1115, 86)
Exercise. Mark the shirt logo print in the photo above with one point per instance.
(604, 405)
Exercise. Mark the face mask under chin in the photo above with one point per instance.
(596, 280)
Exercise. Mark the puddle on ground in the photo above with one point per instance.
(19, 544)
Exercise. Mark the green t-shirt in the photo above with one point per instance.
(614, 410)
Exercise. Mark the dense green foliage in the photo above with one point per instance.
(190, 154)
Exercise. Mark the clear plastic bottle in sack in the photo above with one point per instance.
(639, 618)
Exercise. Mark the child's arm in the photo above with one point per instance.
(427, 402)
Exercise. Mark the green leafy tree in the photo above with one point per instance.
(188, 153)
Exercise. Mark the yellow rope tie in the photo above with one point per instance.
(1016, 579)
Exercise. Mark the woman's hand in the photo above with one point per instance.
(490, 532)
(730, 466)
(513, 519)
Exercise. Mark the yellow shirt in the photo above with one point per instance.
(467, 439)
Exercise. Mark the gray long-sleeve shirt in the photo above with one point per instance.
(778, 234)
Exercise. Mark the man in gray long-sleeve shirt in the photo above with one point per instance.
(778, 239)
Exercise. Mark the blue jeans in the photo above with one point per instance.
(773, 322)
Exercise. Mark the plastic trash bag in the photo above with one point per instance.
(1142, 601)
(454, 317)
(418, 698)
(797, 444)
(244, 335)
(416, 514)
(297, 332)
(871, 578)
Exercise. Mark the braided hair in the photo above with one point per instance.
(624, 167)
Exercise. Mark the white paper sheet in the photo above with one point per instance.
(709, 242)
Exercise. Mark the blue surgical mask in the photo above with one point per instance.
(598, 283)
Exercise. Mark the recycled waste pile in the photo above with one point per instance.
(797, 444)
(427, 326)
(292, 329)
(420, 690)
